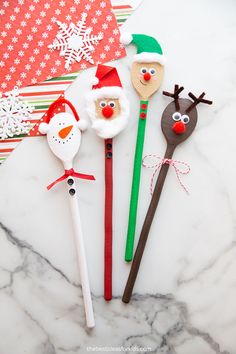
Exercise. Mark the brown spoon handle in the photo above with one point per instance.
(146, 226)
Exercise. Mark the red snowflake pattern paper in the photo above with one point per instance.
(28, 27)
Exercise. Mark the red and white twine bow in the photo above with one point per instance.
(176, 164)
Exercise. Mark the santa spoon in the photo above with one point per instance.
(146, 75)
(108, 109)
(64, 138)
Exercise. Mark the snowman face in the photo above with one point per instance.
(64, 136)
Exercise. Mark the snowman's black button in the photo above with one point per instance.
(70, 181)
(109, 155)
(72, 191)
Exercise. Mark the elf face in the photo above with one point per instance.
(107, 108)
(146, 78)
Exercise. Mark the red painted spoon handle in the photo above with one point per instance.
(108, 221)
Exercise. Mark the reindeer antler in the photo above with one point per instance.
(174, 95)
(197, 100)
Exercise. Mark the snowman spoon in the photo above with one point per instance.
(178, 121)
(64, 138)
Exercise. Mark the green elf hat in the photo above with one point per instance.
(148, 49)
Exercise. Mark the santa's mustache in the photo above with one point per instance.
(108, 128)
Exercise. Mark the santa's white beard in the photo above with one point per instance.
(108, 128)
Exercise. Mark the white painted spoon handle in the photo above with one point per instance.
(79, 243)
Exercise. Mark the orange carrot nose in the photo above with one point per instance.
(65, 131)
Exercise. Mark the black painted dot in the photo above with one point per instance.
(72, 191)
(70, 181)
(109, 146)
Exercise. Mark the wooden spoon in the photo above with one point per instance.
(185, 111)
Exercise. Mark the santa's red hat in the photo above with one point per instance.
(106, 83)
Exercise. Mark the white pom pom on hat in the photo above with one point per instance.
(126, 38)
(43, 128)
(82, 124)
(94, 80)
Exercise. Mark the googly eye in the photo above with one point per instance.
(152, 71)
(185, 119)
(143, 70)
(102, 104)
(176, 116)
(112, 104)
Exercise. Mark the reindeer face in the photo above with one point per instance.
(146, 78)
(177, 124)
(180, 117)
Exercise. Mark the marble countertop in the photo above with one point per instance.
(184, 300)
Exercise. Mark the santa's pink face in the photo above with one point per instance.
(63, 135)
(108, 108)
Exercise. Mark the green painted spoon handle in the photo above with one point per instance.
(136, 181)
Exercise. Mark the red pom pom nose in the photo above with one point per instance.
(179, 128)
(107, 111)
(147, 76)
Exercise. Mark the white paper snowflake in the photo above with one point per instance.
(75, 42)
(13, 115)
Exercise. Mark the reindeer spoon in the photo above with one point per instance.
(178, 121)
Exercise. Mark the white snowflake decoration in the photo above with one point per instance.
(13, 115)
(75, 42)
